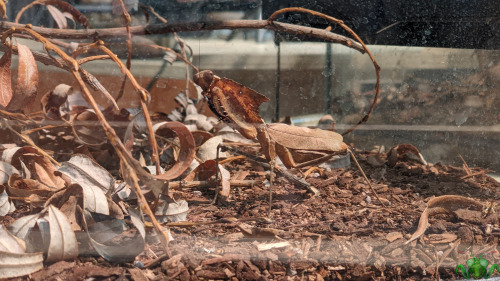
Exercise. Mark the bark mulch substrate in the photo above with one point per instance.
(343, 234)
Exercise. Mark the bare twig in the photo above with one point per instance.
(164, 28)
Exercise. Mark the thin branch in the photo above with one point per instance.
(353, 34)
(164, 28)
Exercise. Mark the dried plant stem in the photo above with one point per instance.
(164, 28)
(144, 96)
(93, 58)
(365, 177)
(27, 140)
(125, 159)
(209, 183)
(353, 34)
(126, 17)
(183, 50)
(264, 163)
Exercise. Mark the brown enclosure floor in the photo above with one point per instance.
(343, 234)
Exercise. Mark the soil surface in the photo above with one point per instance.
(344, 233)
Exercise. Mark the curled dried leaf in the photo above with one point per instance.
(445, 203)
(187, 148)
(404, 151)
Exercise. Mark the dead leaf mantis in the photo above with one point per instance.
(297, 147)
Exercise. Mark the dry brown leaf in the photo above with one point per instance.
(444, 238)
(447, 203)
(27, 81)
(203, 172)
(5, 77)
(187, 148)
(299, 144)
(201, 137)
(39, 167)
(20, 187)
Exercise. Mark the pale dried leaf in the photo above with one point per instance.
(63, 244)
(70, 17)
(268, 246)
(106, 230)
(169, 211)
(5, 78)
(77, 15)
(208, 150)
(10, 243)
(6, 206)
(27, 81)
(58, 17)
(15, 265)
(85, 171)
(304, 138)
(94, 199)
(115, 252)
(137, 221)
(225, 182)
(6, 170)
(170, 57)
(23, 226)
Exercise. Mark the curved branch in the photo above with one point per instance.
(353, 34)
(164, 28)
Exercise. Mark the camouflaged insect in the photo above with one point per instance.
(232, 102)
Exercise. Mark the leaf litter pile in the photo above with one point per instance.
(87, 194)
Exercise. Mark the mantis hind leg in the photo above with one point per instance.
(216, 175)
(271, 179)
(492, 270)
(465, 273)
